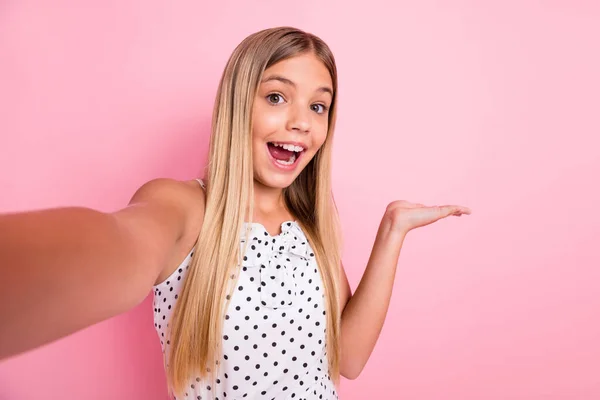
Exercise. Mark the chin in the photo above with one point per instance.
(277, 181)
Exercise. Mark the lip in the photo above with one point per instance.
(285, 167)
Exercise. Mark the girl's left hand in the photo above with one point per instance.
(406, 216)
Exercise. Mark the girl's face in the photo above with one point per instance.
(290, 118)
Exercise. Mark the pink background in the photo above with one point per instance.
(490, 105)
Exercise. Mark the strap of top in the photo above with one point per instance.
(201, 182)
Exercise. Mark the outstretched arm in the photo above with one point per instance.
(365, 311)
(65, 269)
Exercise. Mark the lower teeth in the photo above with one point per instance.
(289, 162)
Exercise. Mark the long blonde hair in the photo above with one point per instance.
(196, 327)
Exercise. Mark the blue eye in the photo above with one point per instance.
(274, 98)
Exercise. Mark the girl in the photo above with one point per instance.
(250, 295)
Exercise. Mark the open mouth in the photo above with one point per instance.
(284, 154)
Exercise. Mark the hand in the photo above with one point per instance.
(406, 216)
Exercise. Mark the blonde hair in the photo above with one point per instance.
(196, 327)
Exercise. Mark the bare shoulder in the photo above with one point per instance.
(166, 214)
(189, 199)
(194, 203)
(168, 189)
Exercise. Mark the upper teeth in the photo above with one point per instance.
(290, 147)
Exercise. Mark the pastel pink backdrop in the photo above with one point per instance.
(489, 105)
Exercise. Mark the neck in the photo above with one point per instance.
(267, 200)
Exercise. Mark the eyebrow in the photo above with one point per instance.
(324, 89)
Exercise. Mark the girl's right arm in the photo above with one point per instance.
(64, 269)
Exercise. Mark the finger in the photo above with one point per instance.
(443, 211)
(456, 210)
(464, 210)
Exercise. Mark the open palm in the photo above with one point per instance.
(406, 216)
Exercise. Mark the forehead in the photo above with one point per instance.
(304, 69)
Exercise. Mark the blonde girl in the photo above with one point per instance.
(250, 295)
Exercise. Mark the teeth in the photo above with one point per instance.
(290, 147)
(289, 162)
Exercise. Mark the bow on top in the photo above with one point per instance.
(278, 259)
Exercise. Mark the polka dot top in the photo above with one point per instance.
(274, 329)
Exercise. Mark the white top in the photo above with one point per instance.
(274, 330)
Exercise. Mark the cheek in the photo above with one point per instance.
(318, 140)
(320, 135)
(265, 122)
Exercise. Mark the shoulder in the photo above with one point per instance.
(167, 188)
(185, 197)
(179, 207)
(194, 203)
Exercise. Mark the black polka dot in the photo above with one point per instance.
(275, 262)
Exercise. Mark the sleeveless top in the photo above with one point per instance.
(274, 329)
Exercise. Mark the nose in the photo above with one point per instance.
(299, 119)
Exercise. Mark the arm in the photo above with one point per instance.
(365, 311)
(65, 269)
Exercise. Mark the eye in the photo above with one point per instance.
(319, 108)
(275, 98)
